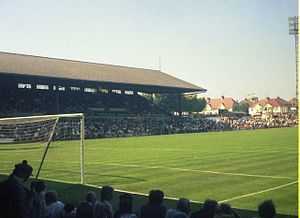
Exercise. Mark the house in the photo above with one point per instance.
(280, 106)
(214, 106)
(293, 104)
(270, 106)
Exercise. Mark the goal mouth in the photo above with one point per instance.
(20, 134)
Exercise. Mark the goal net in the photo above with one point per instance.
(53, 144)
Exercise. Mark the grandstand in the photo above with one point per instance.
(110, 96)
(33, 84)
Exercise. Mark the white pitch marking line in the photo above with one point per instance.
(178, 169)
(259, 192)
(199, 171)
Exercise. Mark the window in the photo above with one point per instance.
(116, 91)
(91, 90)
(24, 86)
(61, 88)
(128, 92)
(42, 87)
(74, 88)
(104, 91)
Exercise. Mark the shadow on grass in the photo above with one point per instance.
(75, 193)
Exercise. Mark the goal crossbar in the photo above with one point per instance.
(41, 117)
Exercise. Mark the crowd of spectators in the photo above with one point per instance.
(278, 121)
(17, 201)
(116, 115)
(124, 126)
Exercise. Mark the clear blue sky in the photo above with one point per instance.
(230, 47)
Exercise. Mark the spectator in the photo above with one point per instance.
(225, 210)
(154, 207)
(267, 209)
(55, 208)
(91, 198)
(69, 211)
(103, 209)
(207, 211)
(182, 210)
(15, 198)
(84, 210)
(38, 204)
(125, 207)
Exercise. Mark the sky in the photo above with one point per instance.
(230, 47)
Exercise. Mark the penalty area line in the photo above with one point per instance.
(195, 170)
(259, 192)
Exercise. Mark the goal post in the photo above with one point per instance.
(82, 136)
(44, 129)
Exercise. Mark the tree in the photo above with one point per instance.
(242, 106)
(167, 101)
(170, 102)
(193, 104)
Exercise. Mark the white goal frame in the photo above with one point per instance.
(56, 118)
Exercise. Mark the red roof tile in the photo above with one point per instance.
(274, 102)
(216, 103)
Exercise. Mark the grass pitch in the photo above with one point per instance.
(239, 167)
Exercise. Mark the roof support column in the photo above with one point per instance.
(179, 97)
(57, 101)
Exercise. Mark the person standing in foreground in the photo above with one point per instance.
(154, 208)
(15, 198)
(103, 209)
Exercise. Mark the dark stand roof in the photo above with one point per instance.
(130, 77)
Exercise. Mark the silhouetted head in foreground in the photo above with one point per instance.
(210, 207)
(225, 208)
(22, 170)
(107, 193)
(183, 205)
(125, 203)
(91, 197)
(225, 211)
(50, 197)
(156, 197)
(267, 209)
(84, 210)
(68, 208)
